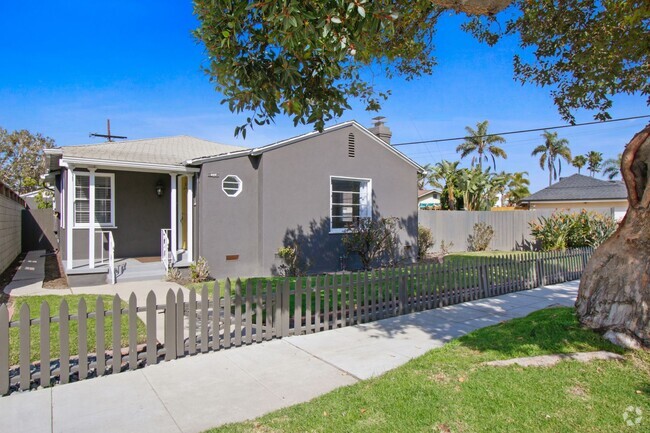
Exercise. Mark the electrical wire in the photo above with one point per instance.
(521, 131)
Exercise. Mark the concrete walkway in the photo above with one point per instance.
(28, 280)
(203, 391)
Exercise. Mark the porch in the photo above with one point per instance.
(126, 225)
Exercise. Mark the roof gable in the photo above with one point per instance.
(303, 137)
(579, 188)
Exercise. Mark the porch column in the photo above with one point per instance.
(69, 216)
(174, 211)
(190, 217)
(91, 219)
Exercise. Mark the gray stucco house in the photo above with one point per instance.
(181, 197)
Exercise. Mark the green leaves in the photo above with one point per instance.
(266, 53)
(303, 59)
(22, 161)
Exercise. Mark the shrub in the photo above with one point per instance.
(576, 230)
(425, 241)
(444, 247)
(373, 240)
(480, 239)
(199, 271)
(292, 265)
(173, 274)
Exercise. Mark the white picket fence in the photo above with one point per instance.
(241, 314)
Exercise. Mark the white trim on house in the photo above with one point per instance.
(73, 195)
(580, 201)
(240, 186)
(126, 166)
(365, 209)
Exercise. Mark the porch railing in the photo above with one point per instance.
(166, 256)
(111, 253)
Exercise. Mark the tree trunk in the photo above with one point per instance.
(614, 292)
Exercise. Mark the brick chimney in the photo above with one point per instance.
(381, 130)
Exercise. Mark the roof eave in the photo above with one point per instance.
(125, 165)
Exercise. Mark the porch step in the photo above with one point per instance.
(133, 271)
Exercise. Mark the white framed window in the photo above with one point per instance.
(231, 185)
(104, 199)
(350, 200)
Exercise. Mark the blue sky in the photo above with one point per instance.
(67, 66)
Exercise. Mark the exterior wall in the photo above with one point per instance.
(228, 226)
(11, 207)
(620, 206)
(286, 197)
(296, 194)
(139, 216)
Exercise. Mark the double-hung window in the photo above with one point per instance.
(350, 200)
(104, 200)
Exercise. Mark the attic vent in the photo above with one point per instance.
(351, 145)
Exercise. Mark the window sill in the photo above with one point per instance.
(96, 227)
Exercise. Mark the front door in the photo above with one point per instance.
(182, 215)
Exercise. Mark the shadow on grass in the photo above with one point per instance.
(550, 330)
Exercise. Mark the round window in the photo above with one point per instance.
(231, 185)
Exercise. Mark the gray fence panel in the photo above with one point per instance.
(511, 229)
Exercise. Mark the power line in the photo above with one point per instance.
(521, 131)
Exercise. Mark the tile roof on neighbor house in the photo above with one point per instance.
(165, 150)
(580, 188)
(423, 192)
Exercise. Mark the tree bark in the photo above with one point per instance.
(614, 292)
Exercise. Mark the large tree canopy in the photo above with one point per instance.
(309, 59)
(22, 161)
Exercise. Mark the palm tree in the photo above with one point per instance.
(594, 161)
(518, 187)
(579, 162)
(422, 176)
(553, 149)
(612, 167)
(483, 144)
(444, 176)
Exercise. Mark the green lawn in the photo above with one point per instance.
(459, 270)
(450, 390)
(54, 301)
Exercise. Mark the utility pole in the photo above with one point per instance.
(108, 135)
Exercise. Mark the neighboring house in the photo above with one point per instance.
(182, 197)
(30, 197)
(579, 192)
(428, 198)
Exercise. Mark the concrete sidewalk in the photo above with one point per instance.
(203, 391)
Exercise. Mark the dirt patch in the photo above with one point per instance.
(54, 274)
(7, 276)
(578, 391)
(551, 360)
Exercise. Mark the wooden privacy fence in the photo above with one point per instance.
(112, 338)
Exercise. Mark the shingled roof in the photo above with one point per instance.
(166, 150)
(580, 188)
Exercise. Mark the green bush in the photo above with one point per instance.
(481, 237)
(292, 265)
(425, 241)
(199, 271)
(572, 230)
(373, 240)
